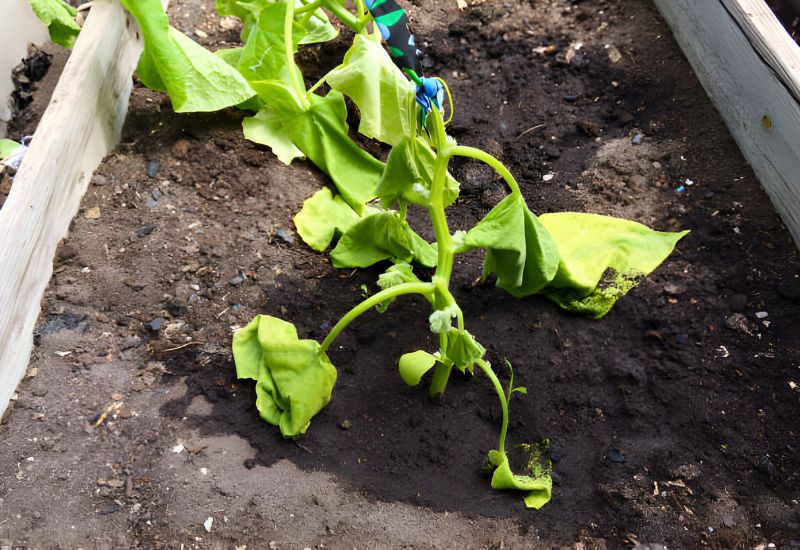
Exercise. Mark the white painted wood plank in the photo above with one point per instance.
(81, 125)
(769, 39)
(18, 28)
(746, 83)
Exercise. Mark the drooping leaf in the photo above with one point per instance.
(409, 175)
(381, 236)
(413, 366)
(59, 18)
(602, 258)
(264, 53)
(318, 28)
(7, 146)
(196, 79)
(322, 218)
(538, 485)
(267, 128)
(294, 377)
(518, 247)
(321, 133)
(463, 350)
(379, 89)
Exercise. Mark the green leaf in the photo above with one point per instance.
(538, 487)
(58, 17)
(463, 350)
(602, 258)
(267, 128)
(318, 28)
(264, 53)
(379, 89)
(381, 236)
(323, 217)
(409, 175)
(413, 366)
(518, 247)
(295, 378)
(7, 146)
(196, 79)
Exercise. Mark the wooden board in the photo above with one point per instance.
(750, 67)
(18, 28)
(81, 125)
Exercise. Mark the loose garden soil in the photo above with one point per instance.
(674, 420)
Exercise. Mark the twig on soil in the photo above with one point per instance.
(531, 129)
(186, 345)
(116, 406)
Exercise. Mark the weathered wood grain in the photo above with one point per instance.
(81, 125)
(750, 67)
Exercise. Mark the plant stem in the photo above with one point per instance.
(288, 23)
(345, 15)
(477, 154)
(498, 387)
(425, 289)
(309, 7)
(445, 246)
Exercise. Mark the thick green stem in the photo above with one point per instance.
(498, 387)
(425, 289)
(445, 246)
(477, 154)
(288, 23)
(345, 16)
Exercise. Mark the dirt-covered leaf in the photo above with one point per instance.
(294, 377)
(519, 250)
(409, 175)
(379, 89)
(322, 218)
(413, 366)
(196, 79)
(538, 486)
(602, 258)
(381, 236)
(59, 18)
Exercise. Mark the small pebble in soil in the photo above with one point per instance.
(145, 231)
(765, 466)
(346, 425)
(762, 314)
(152, 168)
(236, 281)
(614, 455)
(570, 98)
(637, 139)
(155, 325)
(728, 521)
(156, 193)
(237, 308)
(283, 236)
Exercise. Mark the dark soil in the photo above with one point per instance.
(673, 420)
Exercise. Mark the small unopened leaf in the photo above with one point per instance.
(413, 366)
(294, 377)
(463, 350)
(323, 217)
(518, 247)
(396, 275)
